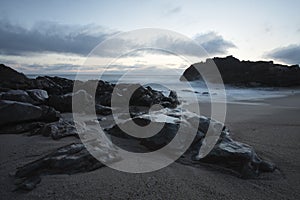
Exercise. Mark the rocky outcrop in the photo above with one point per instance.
(11, 79)
(248, 73)
(146, 96)
(227, 153)
(54, 85)
(71, 159)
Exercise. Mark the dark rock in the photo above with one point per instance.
(16, 95)
(54, 85)
(12, 112)
(60, 129)
(147, 96)
(248, 73)
(38, 95)
(162, 138)
(11, 79)
(227, 153)
(46, 83)
(49, 114)
(71, 159)
(21, 128)
(63, 103)
(102, 110)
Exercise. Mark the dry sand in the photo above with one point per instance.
(272, 128)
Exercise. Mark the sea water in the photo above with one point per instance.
(184, 89)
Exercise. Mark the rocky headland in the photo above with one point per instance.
(247, 73)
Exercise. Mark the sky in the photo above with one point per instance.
(57, 36)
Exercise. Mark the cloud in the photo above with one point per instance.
(214, 43)
(50, 37)
(173, 10)
(45, 37)
(289, 54)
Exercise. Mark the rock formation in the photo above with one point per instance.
(247, 73)
(38, 106)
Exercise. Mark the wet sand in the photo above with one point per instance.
(271, 126)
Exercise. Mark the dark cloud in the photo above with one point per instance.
(53, 37)
(50, 37)
(289, 54)
(214, 43)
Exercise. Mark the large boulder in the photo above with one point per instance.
(247, 73)
(13, 112)
(17, 95)
(11, 79)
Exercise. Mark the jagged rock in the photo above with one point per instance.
(63, 103)
(226, 153)
(38, 95)
(260, 73)
(16, 95)
(60, 129)
(54, 85)
(12, 112)
(146, 96)
(11, 79)
(71, 159)
(238, 157)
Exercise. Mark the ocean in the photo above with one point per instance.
(186, 89)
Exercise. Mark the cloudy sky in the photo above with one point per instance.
(56, 36)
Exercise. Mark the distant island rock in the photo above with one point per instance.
(248, 73)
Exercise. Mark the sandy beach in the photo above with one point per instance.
(271, 126)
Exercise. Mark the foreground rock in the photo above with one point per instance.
(57, 130)
(247, 73)
(71, 159)
(11, 79)
(227, 153)
(13, 112)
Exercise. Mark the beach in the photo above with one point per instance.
(270, 126)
